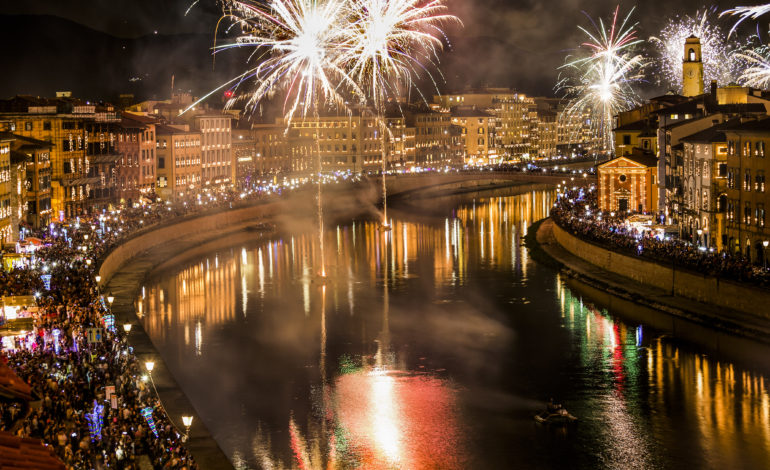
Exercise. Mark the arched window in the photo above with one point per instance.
(691, 55)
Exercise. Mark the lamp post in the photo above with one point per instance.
(110, 299)
(764, 252)
(187, 421)
(700, 232)
(149, 365)
(127, 328)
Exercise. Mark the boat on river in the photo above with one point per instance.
(555, 414)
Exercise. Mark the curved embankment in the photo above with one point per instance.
(702, 300)
(125, 268)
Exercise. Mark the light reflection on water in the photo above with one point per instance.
(430, 346)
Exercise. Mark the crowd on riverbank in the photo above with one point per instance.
(71, 370)
(94, 403)
(577, 212)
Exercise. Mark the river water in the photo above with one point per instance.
(431, 347)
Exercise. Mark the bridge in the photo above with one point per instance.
(406, 186)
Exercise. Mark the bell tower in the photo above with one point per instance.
(692, 68)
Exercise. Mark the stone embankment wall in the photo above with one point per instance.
(683, 283)
(205, 225)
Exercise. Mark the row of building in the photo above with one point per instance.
(696, 160)
(62, 157)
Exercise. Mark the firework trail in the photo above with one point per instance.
(387, 45)
(599, 86)
(745, 13)
(721, 57)
(757, 72)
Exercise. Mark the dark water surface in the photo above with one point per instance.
(431, 347)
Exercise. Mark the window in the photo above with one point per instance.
(691, 55)
(46, 125)
(747, 149)
(747, 181)
(626, 139)
(747, 214)
(623, 178)
(27, 125)
(760, 149)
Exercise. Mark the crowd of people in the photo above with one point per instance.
(577, 212)
(72, 372)
(93, 395)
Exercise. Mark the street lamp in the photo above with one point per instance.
(700, 232)
(110, 298)
(764, 252)
(127, 327)
(150, 365)
(98, 279)
(187, 421)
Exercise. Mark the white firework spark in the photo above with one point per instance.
(745, 13)
(721, 61)
(391, 42)
(297, 46)
(600, 85)
(757, 72)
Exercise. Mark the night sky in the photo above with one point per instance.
(503, 42)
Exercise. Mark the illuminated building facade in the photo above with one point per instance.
(216, 149)
(704, 186)
(32, 185)
(137, 165)
(477, 135)
(6, 227)
(435, 138)
(178, 151)
(746, 196)
(78, 131)
(628, 184)
(346, 143)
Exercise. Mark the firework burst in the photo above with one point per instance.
(757, 72)
(599, 85)
(720, 56)
(391, 42)
(296, 47)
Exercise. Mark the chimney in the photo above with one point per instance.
(714, 89)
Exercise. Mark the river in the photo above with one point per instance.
(432, 346)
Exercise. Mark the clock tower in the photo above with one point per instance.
(692, 68)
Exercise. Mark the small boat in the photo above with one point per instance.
(557, 416)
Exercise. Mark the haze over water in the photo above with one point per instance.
(432, 346)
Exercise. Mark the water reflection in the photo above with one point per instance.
(429, 346)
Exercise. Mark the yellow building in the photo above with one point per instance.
(746, 197)
(70, 125)
(477, 135)
(693, 68)
(178, 154)
(6, 227)
(704, 187)
(346, 143)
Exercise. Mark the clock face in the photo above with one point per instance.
(691, 73)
